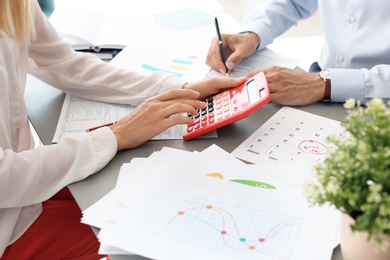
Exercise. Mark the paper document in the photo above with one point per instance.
(173, 48)
(79, 114)
(259, 60)
(291, 135)
(213, 207)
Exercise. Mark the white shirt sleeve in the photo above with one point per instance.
(33, 176)
(275, 17)
(53, 61)
(360, 84)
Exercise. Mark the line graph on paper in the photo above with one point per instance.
(237, 231)
(290, 135)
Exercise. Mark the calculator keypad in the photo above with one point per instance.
(217, 108)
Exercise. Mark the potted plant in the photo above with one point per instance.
(355, 179)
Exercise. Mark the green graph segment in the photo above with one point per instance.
(257, 184)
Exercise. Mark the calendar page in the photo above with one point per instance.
(291, 135)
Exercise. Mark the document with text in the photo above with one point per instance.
(79, 114)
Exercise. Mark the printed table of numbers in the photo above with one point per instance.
(291, 135)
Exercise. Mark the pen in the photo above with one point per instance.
(100, 126)
(221, 50)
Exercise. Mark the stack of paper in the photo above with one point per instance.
(209, 205)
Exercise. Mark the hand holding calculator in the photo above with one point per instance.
(229, 106)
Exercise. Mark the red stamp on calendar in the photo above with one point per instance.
(313, 147)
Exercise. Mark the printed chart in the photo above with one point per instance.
(291, 135)
(178, 66)
(233, 230)
(184, 57)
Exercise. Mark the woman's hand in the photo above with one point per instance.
(155, 115)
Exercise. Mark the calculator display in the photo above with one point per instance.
(253, 94)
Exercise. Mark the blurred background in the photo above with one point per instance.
(303, 42)
(237, 9)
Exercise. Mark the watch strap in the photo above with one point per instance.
(324, 74)
(327, 91)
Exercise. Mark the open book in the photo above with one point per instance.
(87, 30)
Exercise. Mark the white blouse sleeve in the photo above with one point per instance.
(53, 61)
(33, 176)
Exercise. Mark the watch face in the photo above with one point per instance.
(325, 74)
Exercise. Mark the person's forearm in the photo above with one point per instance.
(276, 17)
(54, 167)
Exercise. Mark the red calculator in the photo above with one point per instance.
(229, 106)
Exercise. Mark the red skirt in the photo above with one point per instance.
(56, 234)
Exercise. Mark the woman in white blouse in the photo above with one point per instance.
(30, 177)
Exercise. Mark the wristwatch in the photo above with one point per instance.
(325, 75)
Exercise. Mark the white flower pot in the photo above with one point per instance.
(354, 245)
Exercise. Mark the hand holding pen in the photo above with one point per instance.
(225, 54)
(221, 49)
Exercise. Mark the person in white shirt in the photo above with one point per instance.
(28, 176)
(354, 63)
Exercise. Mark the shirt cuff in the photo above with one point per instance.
(345, 84)
(104, 146)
